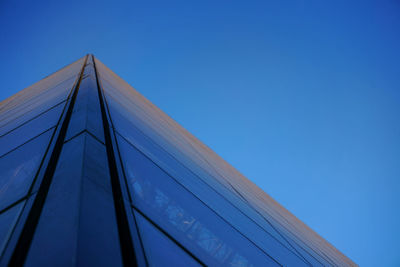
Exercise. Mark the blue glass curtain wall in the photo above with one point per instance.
(93, 174)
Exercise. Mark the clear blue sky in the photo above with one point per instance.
(303, 97)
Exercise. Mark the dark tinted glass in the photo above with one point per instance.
(86, 113)
(18, 168)
(29, 130)
(159, 249)
(184, 216)
(7, 222)
(78, 223)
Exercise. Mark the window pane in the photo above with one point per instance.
(30, 130)
(86, 114)
(185, 217)
(78, 223)
(18, 168)
(10, 119)
(7, 221)
(160, 250)
(25, 96)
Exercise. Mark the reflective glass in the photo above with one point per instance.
(278, 248)
(130, 126)
(7, 222)
(31, 92)
(310, 256)
(29, 130)
(39, 104)
(159, 249)
(78, 223)
(127, 121)
(138, 111)
(18, 168)
(86, 114)
(185, 217)
(301, 243)
(134, 109)
(132, 113)
(131, 110)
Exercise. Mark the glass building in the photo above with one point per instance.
(93, 174)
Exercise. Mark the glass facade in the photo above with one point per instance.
(92, 173)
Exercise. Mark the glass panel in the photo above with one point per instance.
(86, 114)
(40, 87)
(160, 250)
(130, 112)
(134, 109)
(207, 188)
(313, 258)
(41, 103)
(184, 217)
(273, 246)
(30, 130)
(128, 121)
(269, 241)
(18, 168)
(7, 222)
(78, 223)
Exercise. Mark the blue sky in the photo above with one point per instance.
(302, 97)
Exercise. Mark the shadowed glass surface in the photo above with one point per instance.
(8, 219)
(18, 168)
(184, 216)
(79, 210)
(160, 250)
